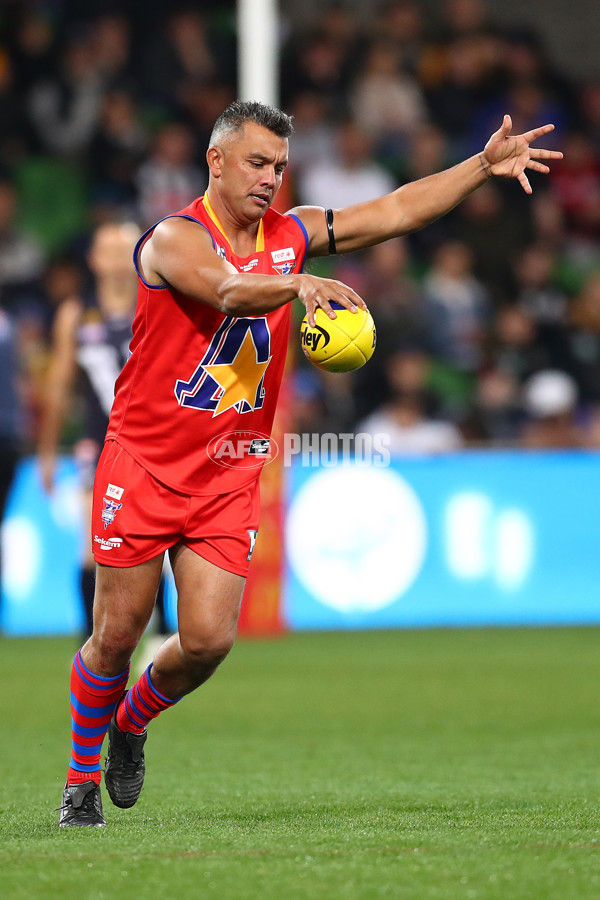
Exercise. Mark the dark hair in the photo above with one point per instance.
(241, 111)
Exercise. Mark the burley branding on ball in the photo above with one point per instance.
(341, 344)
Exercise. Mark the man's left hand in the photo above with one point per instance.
(509, 155)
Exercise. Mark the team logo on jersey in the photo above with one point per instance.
(284, 268)
(283, 260)
(220, 251)
(231, 374)
(109, 511)
(249, 266)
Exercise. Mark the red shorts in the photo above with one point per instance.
(135, 517)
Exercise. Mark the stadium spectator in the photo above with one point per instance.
(525, 62)
(458, 85)
(179, 52)
(577, 187)
(352, 174)
(169, 177)
(339, 23)
(310, 413)
(401, 22)
(427, 153)
(320, 63)
(513, 352)
(548, 224)
(406, 418)
(314, 135)
(14, 127)
(458, 308)
(536, 290)
(496, 416)
(514, 345)
(495, 233)
(11, 412)
(200, 104)
(588, 99)
(529, 99)
(22, 257)
(64, 107)
(112, 50)
(396, 296)
(117, 150)
(386, 101)
(583, 338)
(32, 41)
(464, 17)
(551, 399)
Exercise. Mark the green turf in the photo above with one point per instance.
(441, 764)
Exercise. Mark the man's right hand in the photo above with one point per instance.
(315, 292)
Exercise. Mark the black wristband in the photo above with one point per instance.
(329, 220)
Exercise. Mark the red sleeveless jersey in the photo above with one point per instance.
(195, 401)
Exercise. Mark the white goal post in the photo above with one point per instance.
(258, 46)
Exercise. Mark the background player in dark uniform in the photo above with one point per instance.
(91, 344)
(11, 413)
(212, 306)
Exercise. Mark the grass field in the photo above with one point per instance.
(441, 764)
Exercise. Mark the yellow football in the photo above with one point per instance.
(341, 344)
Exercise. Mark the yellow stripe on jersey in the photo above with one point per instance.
(260, 235)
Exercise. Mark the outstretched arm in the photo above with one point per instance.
(180, 253)
(418, 203)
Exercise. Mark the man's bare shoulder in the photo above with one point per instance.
(175, 239)
(176, 228)
(313, 219)
(307, 214)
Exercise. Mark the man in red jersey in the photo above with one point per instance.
(209, 339)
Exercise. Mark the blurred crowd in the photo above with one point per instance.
(488, 321)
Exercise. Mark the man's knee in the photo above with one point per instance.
(207, 650)
(113, 644)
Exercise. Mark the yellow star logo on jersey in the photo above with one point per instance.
(239, 379)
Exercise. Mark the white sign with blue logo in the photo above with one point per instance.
(468, 539)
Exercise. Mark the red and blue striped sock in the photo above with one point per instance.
(142, 704)
(93, 700)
